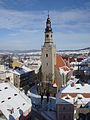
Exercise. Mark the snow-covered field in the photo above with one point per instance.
(73, 52)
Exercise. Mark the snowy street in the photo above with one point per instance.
(46, 110)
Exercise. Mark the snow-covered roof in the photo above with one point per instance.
(77, 88)
(62, 71)
(77, 95)
(33, 62)
(1, 72)
(21, 70)
(26, 68)
(54, 85)
(85, 68)
(78, 100)
(75, 63)
(12, 101)
(85, 61)
(75, 80)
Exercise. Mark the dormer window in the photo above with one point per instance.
(2, 101)
(9, 98)
(18, 107)
(78, 88)
(15, 94)
(6, 88)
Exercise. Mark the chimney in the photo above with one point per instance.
(72, 85)
(82, 83)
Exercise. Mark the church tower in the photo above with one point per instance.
(48, 57)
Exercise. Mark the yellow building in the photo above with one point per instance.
(16, 63)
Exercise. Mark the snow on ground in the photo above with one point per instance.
(48, 110)
(49, 115)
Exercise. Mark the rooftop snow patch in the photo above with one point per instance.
(77, 88)
(12, 101)
(21, 70)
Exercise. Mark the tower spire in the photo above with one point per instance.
(48, 31)
(48, 24)
(48, 13)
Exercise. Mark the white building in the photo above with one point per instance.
(33, 64)
(13, 103)
(71, 100)
(5, 73)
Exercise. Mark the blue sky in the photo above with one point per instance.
(22, 23)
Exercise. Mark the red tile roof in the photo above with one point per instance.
(72, 59)
(86, 95)
(59, 62)
(71, 94)
(55, 82)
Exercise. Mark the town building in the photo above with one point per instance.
(84, 70)
(64, 70)
(16, 63)
(14, 105)
(5, 73)
(33, 64)
(23, 77)
(71, 102)
(20, 76)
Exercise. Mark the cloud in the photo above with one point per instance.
(27, 28)
(2, 4)
(24, 39)
(21, 32)
(71, 41)
(17, 4)
(72, 20)
(20, 20)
